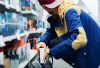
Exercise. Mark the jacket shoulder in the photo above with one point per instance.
(73, 7)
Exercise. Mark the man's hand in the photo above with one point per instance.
(40, 45)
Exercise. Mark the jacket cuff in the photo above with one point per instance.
(52, 53)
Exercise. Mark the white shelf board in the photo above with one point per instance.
(18, 9)
(2, 3)
(9, 7)
(9, 38)
(32, 55)
(30, 12)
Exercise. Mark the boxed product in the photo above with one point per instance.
(2, 22)
(32, 24)
(24, 23)
(40, 24)
(12, 23)
(25, 4)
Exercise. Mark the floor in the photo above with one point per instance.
(56, 64)
(60, 64)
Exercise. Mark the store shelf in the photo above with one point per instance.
(14, 9)
(2, 5)
(17, 36)
(11, 8)
(9, 38)
(29, 13)
(8, 7)
(32, 55)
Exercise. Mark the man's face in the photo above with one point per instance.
(50, 11)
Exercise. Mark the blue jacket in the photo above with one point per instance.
(80, 44)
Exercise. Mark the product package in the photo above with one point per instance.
(24, 23)
(11, 24)
(2, 23)
(25, 4)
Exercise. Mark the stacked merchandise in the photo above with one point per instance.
(13, 3)
(40, 24)
(25, 4)
(13, 23)
(28, 5)
(17, 52)
(33, 39)
(10, 23)
(32, 25)
(2, 22)
(24, 23)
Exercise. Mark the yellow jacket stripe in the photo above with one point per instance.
(81, 39)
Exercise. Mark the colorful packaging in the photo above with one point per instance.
(24, 23)
(25, 3)
(11, 23)
(2, 23)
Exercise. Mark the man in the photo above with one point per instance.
(77, 34)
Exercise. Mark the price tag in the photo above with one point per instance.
(18, 36)
(2, 43)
